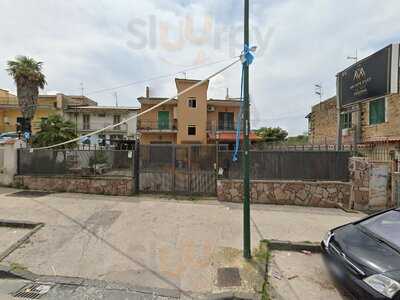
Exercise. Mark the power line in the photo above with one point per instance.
(195, 67)
(143, 112)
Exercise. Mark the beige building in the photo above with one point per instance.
(47, 105)
(379, 121)
(193, 118)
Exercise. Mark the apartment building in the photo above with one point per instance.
(90, 118)
(10, 113)
(192, 118)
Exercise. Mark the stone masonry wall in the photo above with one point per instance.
(303, 193)
(322, 122)
(359, 175)
(88, 185)
(388, 129)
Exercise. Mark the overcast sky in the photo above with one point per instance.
(105, 44)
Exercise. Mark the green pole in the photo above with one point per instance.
(246, 144)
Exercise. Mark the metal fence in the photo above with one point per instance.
(187, 169)
(288, 165)
(80, 162)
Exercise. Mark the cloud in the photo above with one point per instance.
(96, 43)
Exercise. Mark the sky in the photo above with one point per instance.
(112, 50)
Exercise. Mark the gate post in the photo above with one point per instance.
(136, 173)
(18, 161)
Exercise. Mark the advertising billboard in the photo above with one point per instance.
(374, 76)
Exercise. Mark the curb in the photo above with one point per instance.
(277, 245)
(22, 225)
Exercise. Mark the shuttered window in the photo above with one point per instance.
(346, 120)
(377, 111)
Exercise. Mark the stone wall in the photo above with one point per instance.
(386, 130)
(304, 193)
(89, 185)
(359, 176)
(370, 180)
(322, 122)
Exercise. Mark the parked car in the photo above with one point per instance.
(8, 136)
(364, 256)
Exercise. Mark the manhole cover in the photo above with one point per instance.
(32, 291)
(29, 194)
(228, 277)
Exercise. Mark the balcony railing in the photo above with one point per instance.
(98, 125)
(221, 126)
(8, 101)
(157, 125)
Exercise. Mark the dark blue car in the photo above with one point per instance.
(364, 256)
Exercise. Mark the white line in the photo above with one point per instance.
(139, 114)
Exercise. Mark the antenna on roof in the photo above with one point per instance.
(354, 57)
(227, 94)
(318, 91)
(82, 89)
(116, 98)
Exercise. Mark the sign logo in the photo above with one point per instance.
(359, 74)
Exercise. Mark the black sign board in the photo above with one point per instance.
(368, 78)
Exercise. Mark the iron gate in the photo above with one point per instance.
(181, 169)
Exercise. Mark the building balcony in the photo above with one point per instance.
(157, 126)
(221, 126)
(96, 126)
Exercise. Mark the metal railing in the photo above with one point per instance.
(221, 126)
(91, 126)
(99, 162)
(156, 125)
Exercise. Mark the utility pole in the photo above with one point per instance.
(246, 143)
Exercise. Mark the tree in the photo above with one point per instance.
(54, 130)
(272, 134)
(301, 139)
(28, 77)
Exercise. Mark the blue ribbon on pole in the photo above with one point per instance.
(246, 58)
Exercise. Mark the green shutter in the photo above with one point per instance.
(377, 111)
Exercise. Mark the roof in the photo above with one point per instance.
(105, 108)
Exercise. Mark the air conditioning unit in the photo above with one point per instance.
(345, 131)
(210, 108)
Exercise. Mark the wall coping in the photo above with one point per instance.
(288, 181)
(77, 177)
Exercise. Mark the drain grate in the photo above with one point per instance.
(228, 277)
(32, 291)
(29, 194)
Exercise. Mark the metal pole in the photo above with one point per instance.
(136, 166)
(246, 144)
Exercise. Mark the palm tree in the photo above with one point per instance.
(28, 77)
(54, 130)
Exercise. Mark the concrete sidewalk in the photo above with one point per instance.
(150, 241)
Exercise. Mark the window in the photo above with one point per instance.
(117, 119)
(191, 130)
(163, 120)
(192, 103)
(346, 120)
(86, 122)
(377, 111)
(226, 121)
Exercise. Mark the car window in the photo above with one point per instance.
(386, 225)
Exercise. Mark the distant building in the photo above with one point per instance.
(190, 119)
(91, 118)
(10, 113)
(369, 105)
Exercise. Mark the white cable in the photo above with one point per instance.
(139, 114)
